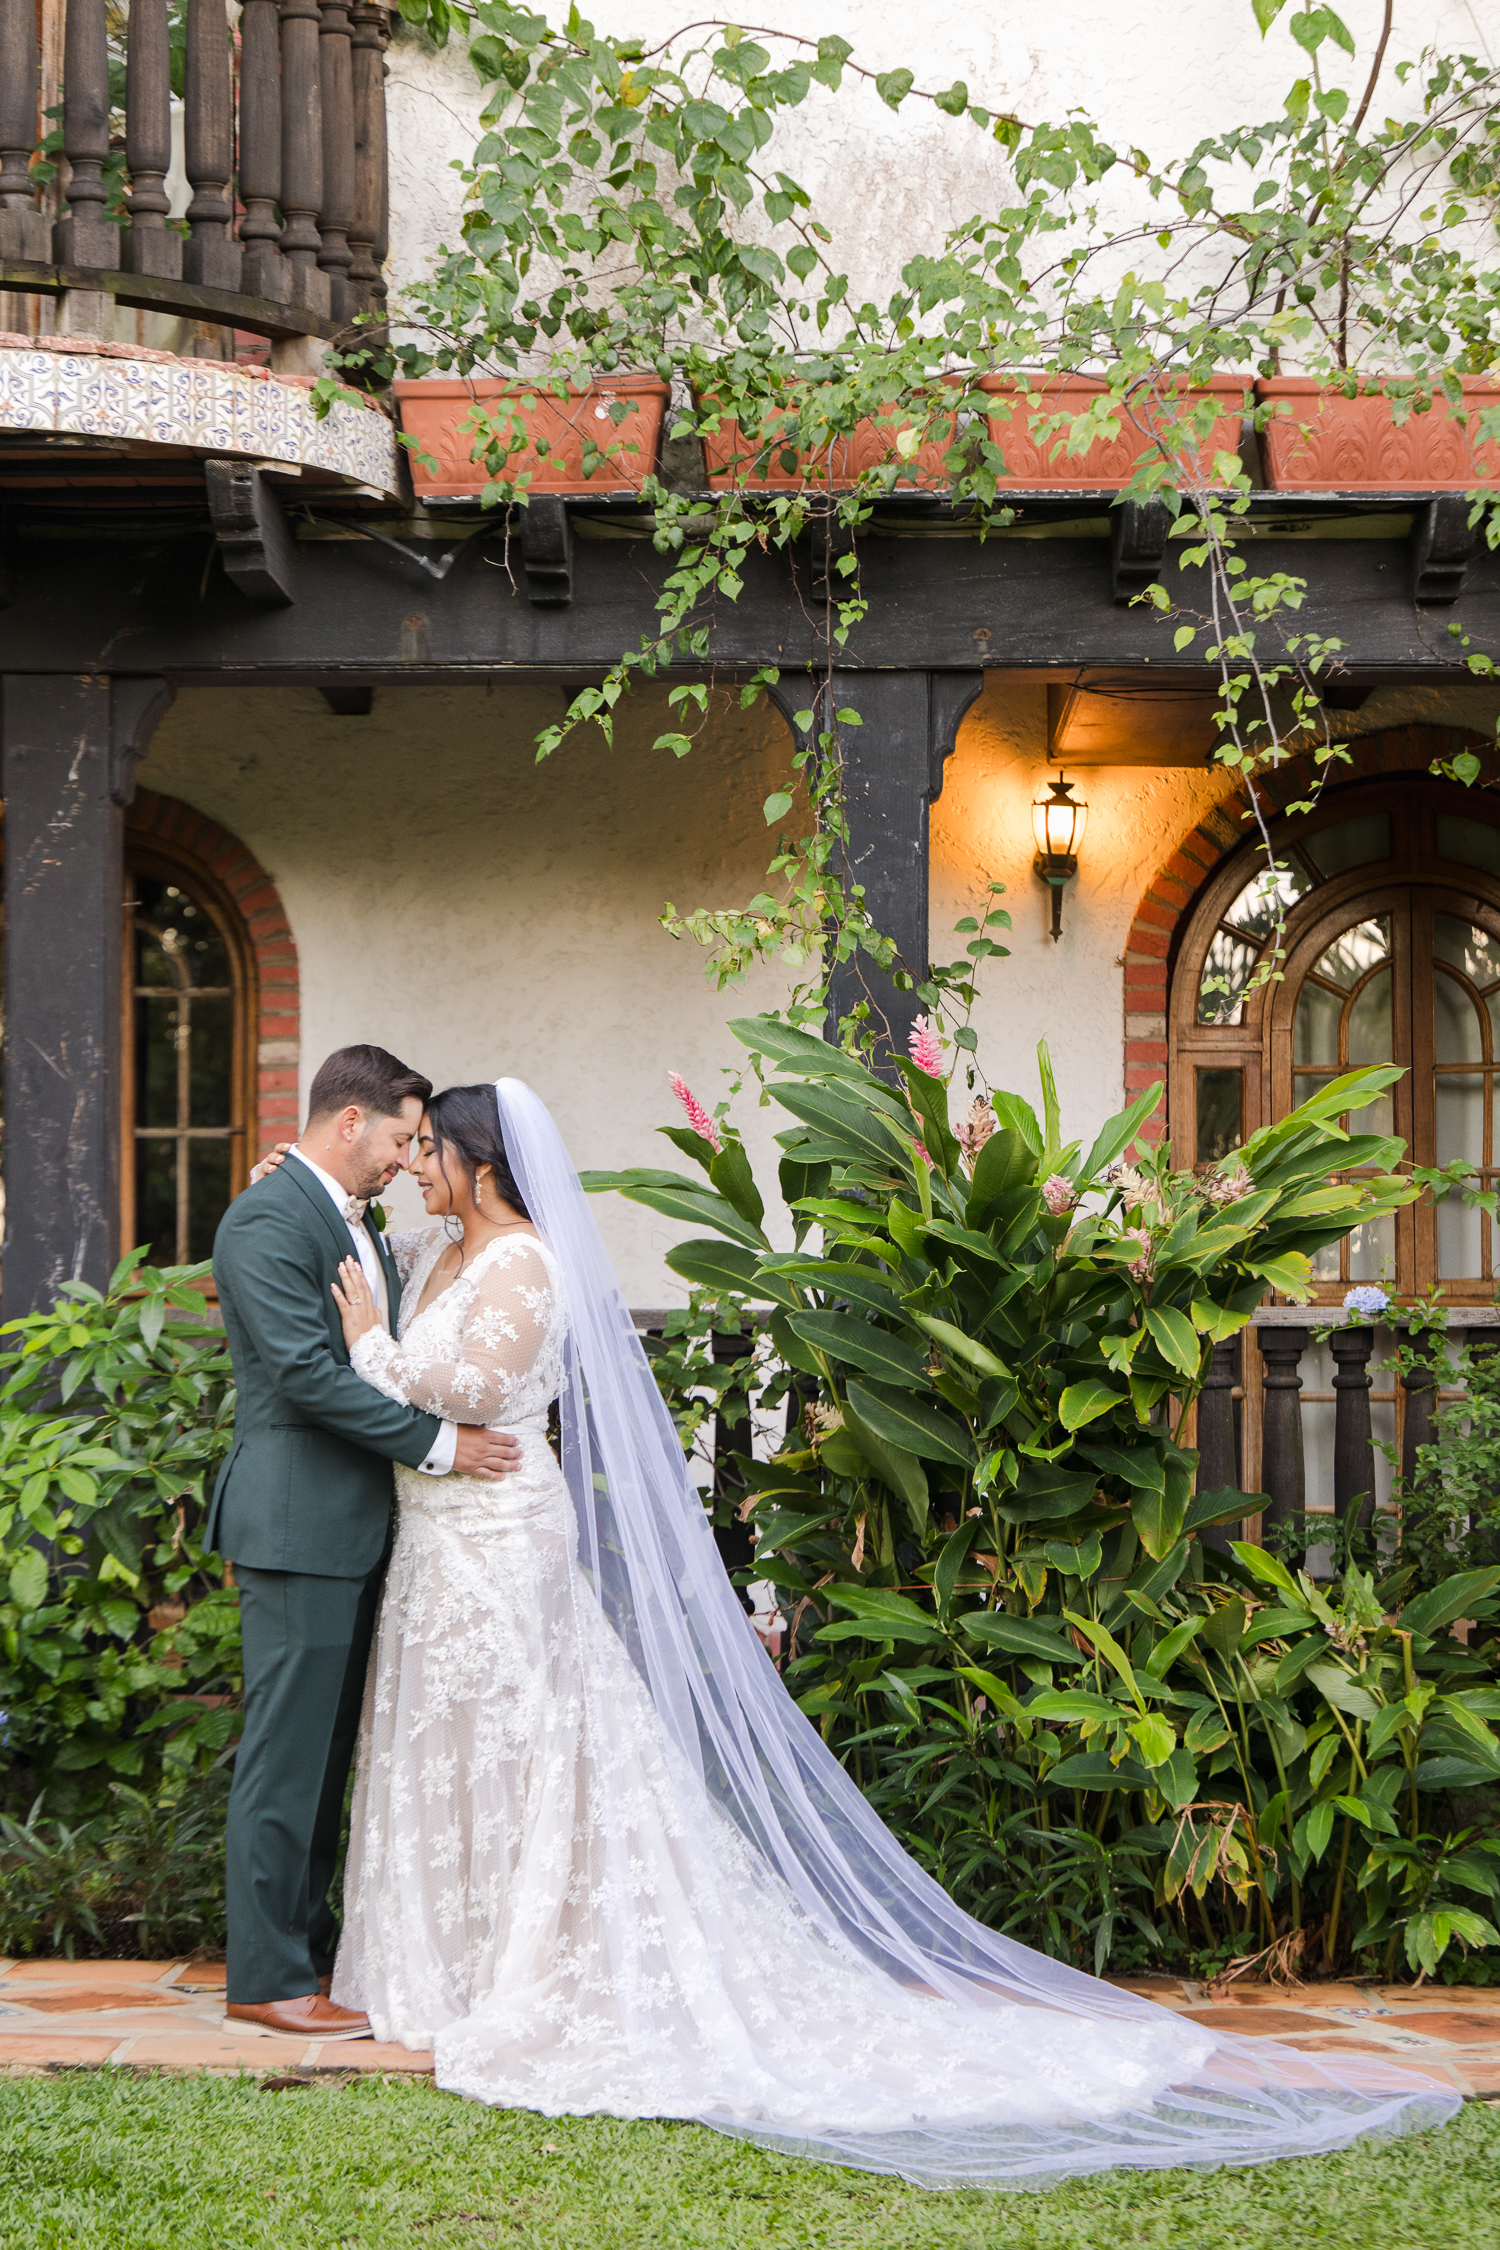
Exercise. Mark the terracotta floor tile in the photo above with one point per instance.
(1256, 2023)
(100, 1997)
(194, 2050)
(27, 2054)
(87, 1972)
(1464, 2030)
(1436, 1995)
(373, 2054)
(1333, 1995)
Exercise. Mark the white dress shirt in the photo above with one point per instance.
(440, 1460)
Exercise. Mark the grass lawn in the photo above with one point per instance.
(102, 2158)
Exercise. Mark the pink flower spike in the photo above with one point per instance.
(1057, 1194)
(919, 1148)
(925, 1047)
(698, 1117)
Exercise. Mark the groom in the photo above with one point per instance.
(303, 1511)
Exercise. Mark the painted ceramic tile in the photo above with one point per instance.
(73, 393)
(25, 391)
(270, 426)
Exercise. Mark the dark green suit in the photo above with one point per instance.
(303, 1511)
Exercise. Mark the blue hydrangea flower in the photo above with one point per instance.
(1367, 1301)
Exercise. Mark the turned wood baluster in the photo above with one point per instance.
(212, 255)
(1282, 1470)
(23, 230)
(733, 1540)
(1484, 1546)
(383, 175)
(367, 66)
(1353, 1445)
(262, 274)
(1218, 1444)
(1419, 1382)
(302, 154)
(83, 236)
(337, 211)
(150, 245)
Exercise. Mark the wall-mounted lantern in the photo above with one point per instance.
(1058, 821)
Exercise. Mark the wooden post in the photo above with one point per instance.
(1353, 1446)
(263, 273)
(213, 255)
(83, 236)
(892, 774)
(1282, 1468)
(23, 231)
(367, 66)
(1484, 1546)
(64, 906)
(335, 256)
(302, 154)
(150, 245)
(1420, 1385)
(383, 170)
(1218, 1440)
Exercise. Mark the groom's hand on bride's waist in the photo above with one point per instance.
(485, 1453)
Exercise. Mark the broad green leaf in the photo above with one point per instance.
(1344, 1692)
(1175, 1338)
(997, 1691)
(858, 1343)
(697, 1206)
(1225, 1628)
(1085, 1402)
(1045, 1493)
(1021, 1118)
(1429, 1613)
(1118, 1134)
(858, 1130)
(1141, 1466)
(1075, 1705)
(1022, 1636)
(963, 1347)
(1265, 1566)
(1007, 1161)
(1225, 1504)
(1155, 1737)
(1108, 1647)
(153, 1315)
(901, 1471)
(913, 1425)
(1091, 1769)
(950, 1562)
(710, 1264)
(880, 1615)
(1290, 1274)
(28, 1579)
(731, 1174)
(1051, 1107)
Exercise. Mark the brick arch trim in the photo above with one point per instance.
(268, 935)
(1169, 898)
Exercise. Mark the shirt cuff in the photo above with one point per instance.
(440, 1460)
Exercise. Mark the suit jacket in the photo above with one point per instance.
(308, 1485)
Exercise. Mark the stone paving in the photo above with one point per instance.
(169, 2015)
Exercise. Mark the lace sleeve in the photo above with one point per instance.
(405, 1246)
(506, 1322)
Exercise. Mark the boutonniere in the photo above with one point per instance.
(376, 1213)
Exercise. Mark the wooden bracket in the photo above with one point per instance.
(547, 551)
(136, 708)
(949, 695)
(348, 702)
(1138, 531)
(254, 540)
(1442, 545)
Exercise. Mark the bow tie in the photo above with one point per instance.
(354, 1210)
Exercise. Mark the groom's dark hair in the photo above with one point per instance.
(369, 1078)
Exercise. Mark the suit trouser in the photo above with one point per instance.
(306, 1651)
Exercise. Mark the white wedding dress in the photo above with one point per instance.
(567, 1881)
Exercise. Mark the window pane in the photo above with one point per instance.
(156, 1030)
(1468, 948)
(1372, 1251)
(1460, 1118)
(1473, 842)
(1460, 1255)
(1458, 1036)
(1356, 951)
(208, 1194)
(1220, 1111)
(1258, 904)
(211, 1062)
(1370, 1022)
(156, 1199)
(1350, 843)
(1315, 1035)
(1226, 973)
(188, 935)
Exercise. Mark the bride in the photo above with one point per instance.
(600, 1862)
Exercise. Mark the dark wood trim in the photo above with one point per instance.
(258, 316)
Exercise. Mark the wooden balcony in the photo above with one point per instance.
(283, 112)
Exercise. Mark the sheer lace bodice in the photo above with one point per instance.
(488, 1348)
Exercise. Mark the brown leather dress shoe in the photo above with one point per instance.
(325, 1984)
(311, 2017)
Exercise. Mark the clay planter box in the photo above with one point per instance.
(733, 462)
(1321, 441)
(1043, 465)
(435, 409)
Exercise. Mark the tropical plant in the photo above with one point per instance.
(119, 1643)
(986, 1540)
(143, 1877)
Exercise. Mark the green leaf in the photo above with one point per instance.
(857, 1343)
(913, 1425)
(28, 1579)
(779, 803)
(1339, 1688)
(687, 1201)
(860, 1133)
(1018, 1116)
(1091, 1769)
(1175, 1338)
(1155, 1737)
(879, 1615)
(1021, 1636)
(731, 1174)
(1159, 1516)
(1045, 1493)
(709, 1264)
(899, 1470)
(1108, 1647)
(153, 1314)
(1075, 1705)
(1006, 1162)
(1141, 1466)
(1225, 1629)
(1430, 1612)
(1225, 1504)
(963, 1347)
(1118, 1134)
(893, 86)
(1266, 12)
(1265, 1566)
(1086, 1401)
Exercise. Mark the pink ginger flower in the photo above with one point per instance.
(1140, 1268)
(1057, 1194)
(976, 1128)
(925, 1048)
(919, 1149)
(698, 1117)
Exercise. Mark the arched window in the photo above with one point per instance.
(1391, 954)
(188, 1078)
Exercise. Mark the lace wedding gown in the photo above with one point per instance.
(541, 1889)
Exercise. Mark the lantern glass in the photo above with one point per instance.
(1058, 822)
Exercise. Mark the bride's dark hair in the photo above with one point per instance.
(466, 1119)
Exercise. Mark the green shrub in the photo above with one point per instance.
(1096, 1733)
(144, 1878)
(119, 1643)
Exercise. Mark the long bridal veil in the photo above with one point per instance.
(744, 1753)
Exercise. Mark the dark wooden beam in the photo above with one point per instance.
(257, 548)
(258, 316)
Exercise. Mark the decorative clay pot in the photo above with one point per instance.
(1042, 464)
(435, 408)
(1320, 441)
(732, 460)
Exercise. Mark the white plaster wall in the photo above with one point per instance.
(1155, 74)
(481, 915)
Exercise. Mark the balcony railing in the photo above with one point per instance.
(284, 114)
